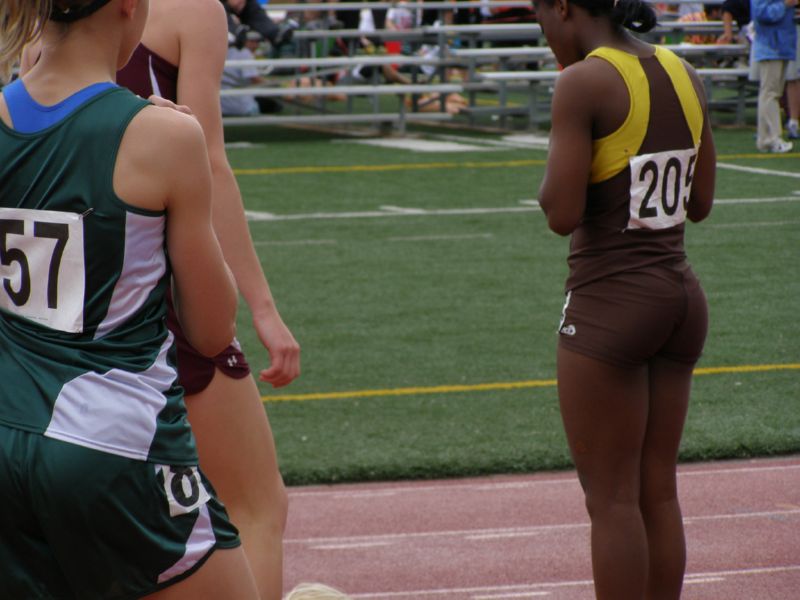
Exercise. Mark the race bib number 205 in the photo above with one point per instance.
(42, 267)
(660, 188)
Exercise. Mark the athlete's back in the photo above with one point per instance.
(100, 195)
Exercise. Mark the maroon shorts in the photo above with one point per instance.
(629, 318)
(195, 371)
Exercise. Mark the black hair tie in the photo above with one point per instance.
(73, 14)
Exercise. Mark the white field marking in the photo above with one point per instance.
(418, 145)
(403, 210)
(752, 224)
(509, 142)
(744, 169)
(294, 242)
(373, 214)
(242, 145)
(767, 200)
(749, 515)
(499, 589)
(502, 532)
(350, 546)
(562, 584)
(527, 206)
(689, 581)
(437, 238)
(511, 595)
(491, 487)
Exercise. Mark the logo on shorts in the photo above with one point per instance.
(568, 330)
(232, 361)
(184, 489)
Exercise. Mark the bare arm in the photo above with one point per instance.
(705, 171)
(727, 29)
(203, 46)
(157, 171)
(562, 194)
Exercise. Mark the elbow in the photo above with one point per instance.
(562, 225)
(214, 340)
(561, 229)
(697, 215)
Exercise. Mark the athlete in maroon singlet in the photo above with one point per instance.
(149, 74)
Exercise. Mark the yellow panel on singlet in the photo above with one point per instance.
(611, 154)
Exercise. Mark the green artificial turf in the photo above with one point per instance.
(466, 298)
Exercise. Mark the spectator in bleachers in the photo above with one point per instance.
(734, 10)
(774, 47)
(708, 12)
(245, 15)
(237, 77)
(793, 91)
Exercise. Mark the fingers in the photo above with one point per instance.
(164, 103)
(284, 369)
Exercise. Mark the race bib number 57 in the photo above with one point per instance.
(42, 267)
(660, 188)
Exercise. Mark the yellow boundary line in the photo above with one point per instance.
(392, 167)
(451, 165)
(504, 386)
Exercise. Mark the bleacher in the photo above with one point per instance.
(507, 71)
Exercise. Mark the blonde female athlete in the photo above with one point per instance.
(181, 58)
(631, 158)
(102, 495)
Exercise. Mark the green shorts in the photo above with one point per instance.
(82, 524)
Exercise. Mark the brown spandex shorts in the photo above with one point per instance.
(629, 318)
(195, 371)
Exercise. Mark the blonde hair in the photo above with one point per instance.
(21, 22)
(315, 591)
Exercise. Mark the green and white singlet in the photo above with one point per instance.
(83, 277)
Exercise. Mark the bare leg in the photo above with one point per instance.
(226, 574)
(604, 409)
(237, 454)
(793, 98)
(670, 384)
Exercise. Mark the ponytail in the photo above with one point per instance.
(636, 15)
(21, 22)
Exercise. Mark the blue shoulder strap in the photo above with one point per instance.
(28, 116)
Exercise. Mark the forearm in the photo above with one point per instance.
(233, 233)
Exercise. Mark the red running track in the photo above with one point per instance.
(512, 537)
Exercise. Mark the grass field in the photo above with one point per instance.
(425, 288)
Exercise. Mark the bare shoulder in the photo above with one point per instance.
(160, 139)
(589, 78)
(164, 126)
(198, 13)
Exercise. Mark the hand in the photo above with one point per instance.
(284, 351)
(725, 38)
(164, 103)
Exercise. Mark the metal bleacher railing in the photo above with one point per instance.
(515, 63)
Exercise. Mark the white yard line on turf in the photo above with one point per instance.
(758, 171)
(527, 205)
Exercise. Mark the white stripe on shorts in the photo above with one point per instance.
(200, 541)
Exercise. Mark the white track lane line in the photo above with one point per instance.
(505, 532)
(691, 578)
